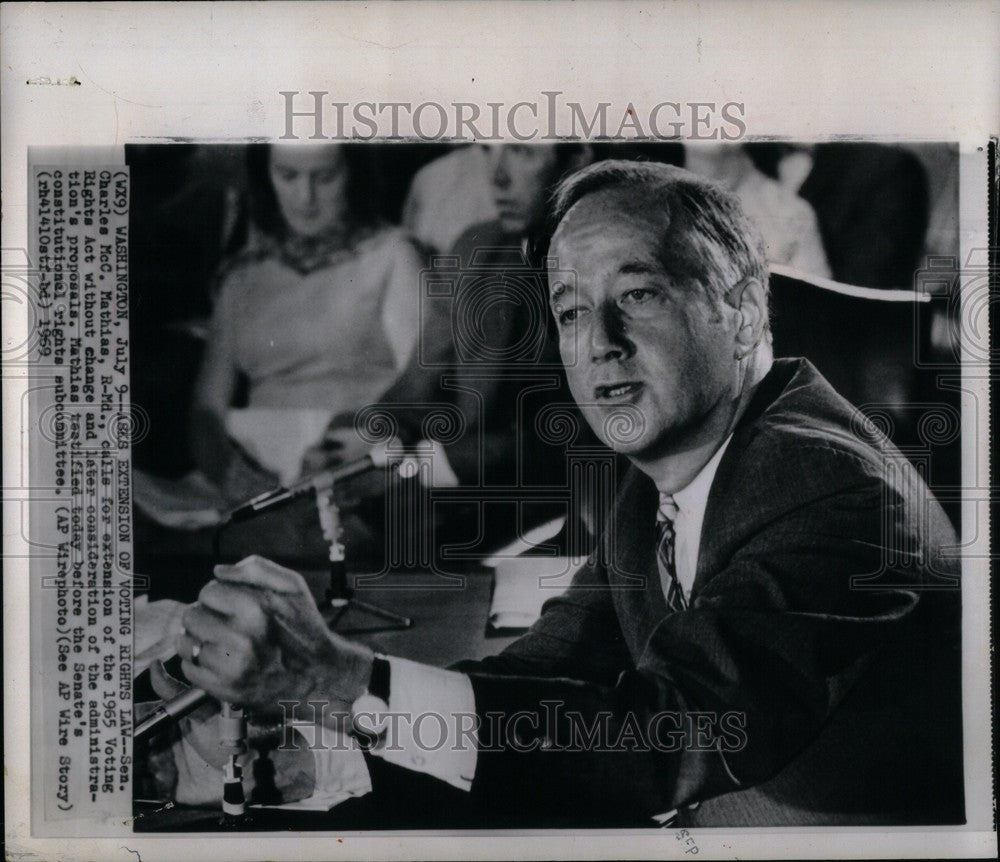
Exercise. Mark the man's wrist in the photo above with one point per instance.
(358, 672)
(345, 670)
(370, 709)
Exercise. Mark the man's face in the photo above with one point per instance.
(520, 175)
(310, 184)
(649, 359)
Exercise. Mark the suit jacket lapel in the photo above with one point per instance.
(632, 570)
(718, 514)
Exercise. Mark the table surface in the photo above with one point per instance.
(450, 616)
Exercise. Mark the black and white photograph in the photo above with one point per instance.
(765, 581)
(412, 472)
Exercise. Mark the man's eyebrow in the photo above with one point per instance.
(639, 267)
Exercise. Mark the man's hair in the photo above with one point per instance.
(707, 236)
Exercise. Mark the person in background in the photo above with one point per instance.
(787, 223)
(486, 353)
(316, 317)
(871, 201)
(449, 195)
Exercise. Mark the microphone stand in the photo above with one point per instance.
(340, 595)
(233, 741)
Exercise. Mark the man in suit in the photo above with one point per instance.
(767, 633)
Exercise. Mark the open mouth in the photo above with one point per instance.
(616, 390)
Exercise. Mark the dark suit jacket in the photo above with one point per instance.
(823, 611)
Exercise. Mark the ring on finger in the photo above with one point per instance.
(196, 647)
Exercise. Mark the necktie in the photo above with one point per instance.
(665, 536)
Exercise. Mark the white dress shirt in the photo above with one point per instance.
(691, 502)
(443, 744)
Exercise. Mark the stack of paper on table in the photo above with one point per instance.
(191, 502)
(523, 584)
(523, 581)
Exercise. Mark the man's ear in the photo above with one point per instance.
(750, 301)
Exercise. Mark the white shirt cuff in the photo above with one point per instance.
(432, 725)
(341, 771)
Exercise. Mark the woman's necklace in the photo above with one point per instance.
(309, 253)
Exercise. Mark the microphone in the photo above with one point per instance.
(322, 481)
(170, 710)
